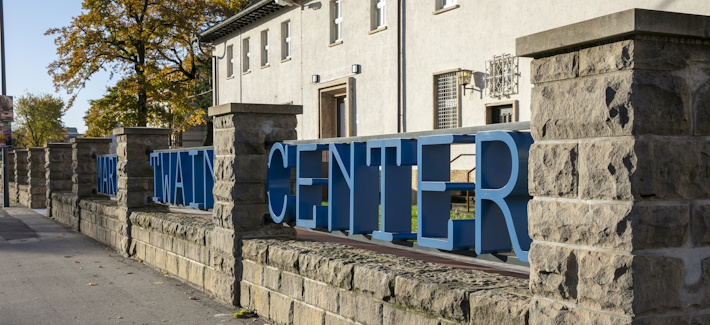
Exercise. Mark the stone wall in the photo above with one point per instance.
(58, 171)
(21, 176)
(36, 179)
(62, 209)
(620, 171)
(98, 219)
(11, 183)
(304, 282)
(174, 243)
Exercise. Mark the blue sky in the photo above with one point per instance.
(29, 52)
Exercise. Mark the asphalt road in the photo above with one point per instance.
(52, 275)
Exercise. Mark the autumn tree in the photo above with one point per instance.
(38, 120)
(151, 44)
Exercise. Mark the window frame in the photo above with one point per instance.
(265, 48)
(435, 98)
(336, 21)
(230, 61)
(286, 40)
(246, 55)
(379, 7)
(445, 4)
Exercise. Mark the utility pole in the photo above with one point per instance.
(5, 195)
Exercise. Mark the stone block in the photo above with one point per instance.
(609, 167)
(701, 107)
(254, 250)
(607, 58)
(620, 226)
(160, 258)
(330, 271)
(245, 294)
(306, 315)
(433, 298)
(291, 285)
(281, 308)
(553, 272)
(223, 240)
(171, 263)
(332, 319)
(671, 169)
(239, 217)
(558, 67)
(553, 170)
(614, 104)
(373, 280)
(701, 224)
(253, 272)
(547, 312)
(272, 278)
(259, 300)
(493, 307)
(283, 258)
(360, 308)
(228, 191)
(320, 295)
(630, 284)
(394, 316)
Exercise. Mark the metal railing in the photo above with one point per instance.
(184, 177)
(107, 175)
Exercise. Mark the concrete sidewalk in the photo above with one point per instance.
(53, 275)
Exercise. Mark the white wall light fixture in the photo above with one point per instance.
(315, 79)
(356, 69)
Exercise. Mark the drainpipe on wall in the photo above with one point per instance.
(401, 82)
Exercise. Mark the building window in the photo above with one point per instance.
(230, 61)
(502, 112)
(502, 76)
(265, 48)
(446, 101)
(286, 40)
(443, 4)
(337, 24)
(379, 14)
(247, 54)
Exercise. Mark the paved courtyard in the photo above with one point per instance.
(52, 275)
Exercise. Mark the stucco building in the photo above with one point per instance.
(366, 67)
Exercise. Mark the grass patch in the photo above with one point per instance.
(455, 215)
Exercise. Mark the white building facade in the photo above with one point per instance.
(366, 67)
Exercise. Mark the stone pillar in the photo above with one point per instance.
(36, 178)
(83, 168)
(243, 135)
(58, 170)
(21, 175)
(134, 173)
(620, 170)
(11, 191)
(84, 152)
(21, 166)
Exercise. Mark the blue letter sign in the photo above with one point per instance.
(354, 169)
(183, 177)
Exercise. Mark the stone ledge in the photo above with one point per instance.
(90, 140)
(408, 284)
(230, 108)
(619, 25)
(191, 228)
(142, 131)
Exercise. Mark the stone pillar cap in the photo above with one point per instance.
(613, 27)
(231, 108)
(90, 140)
(57, 144)
(142, 130)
